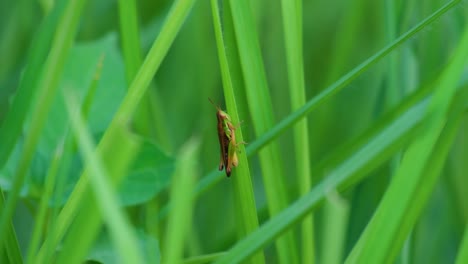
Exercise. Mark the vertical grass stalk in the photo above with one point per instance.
(243, 190)
(180, 218)
(292, 25)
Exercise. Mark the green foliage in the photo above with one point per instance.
(354, 115)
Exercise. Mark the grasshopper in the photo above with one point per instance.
(224, 135)
(227, 141)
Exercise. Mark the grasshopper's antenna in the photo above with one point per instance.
(216, 106)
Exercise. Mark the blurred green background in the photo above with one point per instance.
(337, 36)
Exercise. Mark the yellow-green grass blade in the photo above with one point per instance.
(131, 49)
(292, 27)
(105, 201)
(180, 218)
(41, 215)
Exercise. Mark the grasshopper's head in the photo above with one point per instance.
(220, 113)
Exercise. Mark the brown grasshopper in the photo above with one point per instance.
(227, 141)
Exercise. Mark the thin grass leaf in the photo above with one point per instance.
(43, 206)
(292, 26)
(343, 171)
(417, 175)
(47, 88)
(131, 48)
(243, 190)
(180, 218)
(336, 228)
(106, 147)
(393, 89)
(120, 230)
(12, 249)
(209, 258)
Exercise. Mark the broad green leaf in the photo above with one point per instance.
(150, 174)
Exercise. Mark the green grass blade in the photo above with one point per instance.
(462, 256)
(209, 258)
(11, 246)
(393, 89)
(180, 218)
(243, 190)
(261, 110)
(130, 38)
(336, 228)
(415, 179)
(292, 24)
(47, 89)
(120, 230)
(43, 206)
(131, 49)
(137, 89)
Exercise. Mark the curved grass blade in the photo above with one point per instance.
(292, 27)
